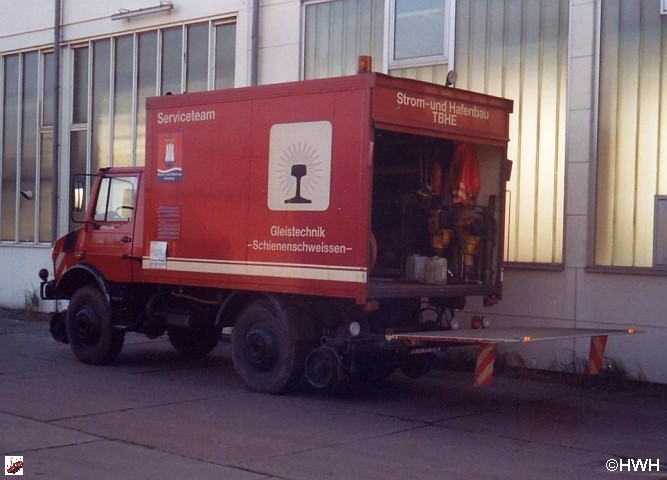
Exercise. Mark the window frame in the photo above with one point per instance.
(108, 192)
(430, 60)
(379, 61)
(595, 260)
(39, 126)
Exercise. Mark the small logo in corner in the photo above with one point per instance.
(13, 465)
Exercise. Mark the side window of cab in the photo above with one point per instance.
(116, 199)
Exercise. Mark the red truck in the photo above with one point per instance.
(327, 222)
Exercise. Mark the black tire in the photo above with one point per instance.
(58, 327)
(194, 344)
(266, 351)
(90, 330)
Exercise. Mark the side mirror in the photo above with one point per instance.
(78, 192)
(78, 198)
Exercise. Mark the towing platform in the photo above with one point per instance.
(487, 340)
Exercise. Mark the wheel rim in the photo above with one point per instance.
(260, 348)
(87, 326)
(322, 368)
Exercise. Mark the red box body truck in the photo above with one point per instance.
(316, 219)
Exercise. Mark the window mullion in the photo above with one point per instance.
(158, 63)
(19, 151)
(135, 95)
(184, 58)
(112, 98)
(2, 130)
(89, 109)
(212, 31)
(38, 145)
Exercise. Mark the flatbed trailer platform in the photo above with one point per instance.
(487, 340)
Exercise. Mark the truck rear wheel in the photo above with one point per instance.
(90, 330)
(193, 344)
(267, 355)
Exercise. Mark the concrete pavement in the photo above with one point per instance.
(155, 415)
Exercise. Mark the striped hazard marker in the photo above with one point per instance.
(596, 355)
(486, 357)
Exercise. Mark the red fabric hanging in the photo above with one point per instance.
(464, 176)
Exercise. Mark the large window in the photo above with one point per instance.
(418, 32)
(518, 50)
(337, 32)
(26, 137)
(128, 69)
(632, 128)
(398, 34)
(108, 82)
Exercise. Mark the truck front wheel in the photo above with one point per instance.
(267, 355)
(89, 328)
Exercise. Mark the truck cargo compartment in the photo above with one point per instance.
(428, 238)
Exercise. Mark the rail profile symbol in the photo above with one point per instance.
(299, 171)
(299, 166)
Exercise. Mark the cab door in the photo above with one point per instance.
(110, 234)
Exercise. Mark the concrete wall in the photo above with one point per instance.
(280, 41)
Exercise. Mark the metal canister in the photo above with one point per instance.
(436, 271)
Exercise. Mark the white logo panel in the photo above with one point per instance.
(300, 166)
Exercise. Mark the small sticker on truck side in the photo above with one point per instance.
(300, 166)
(170, 167)
(158, 255)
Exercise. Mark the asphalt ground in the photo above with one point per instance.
(154, 415)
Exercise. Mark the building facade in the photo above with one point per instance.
(587, 202)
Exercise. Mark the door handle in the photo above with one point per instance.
(126, 239)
